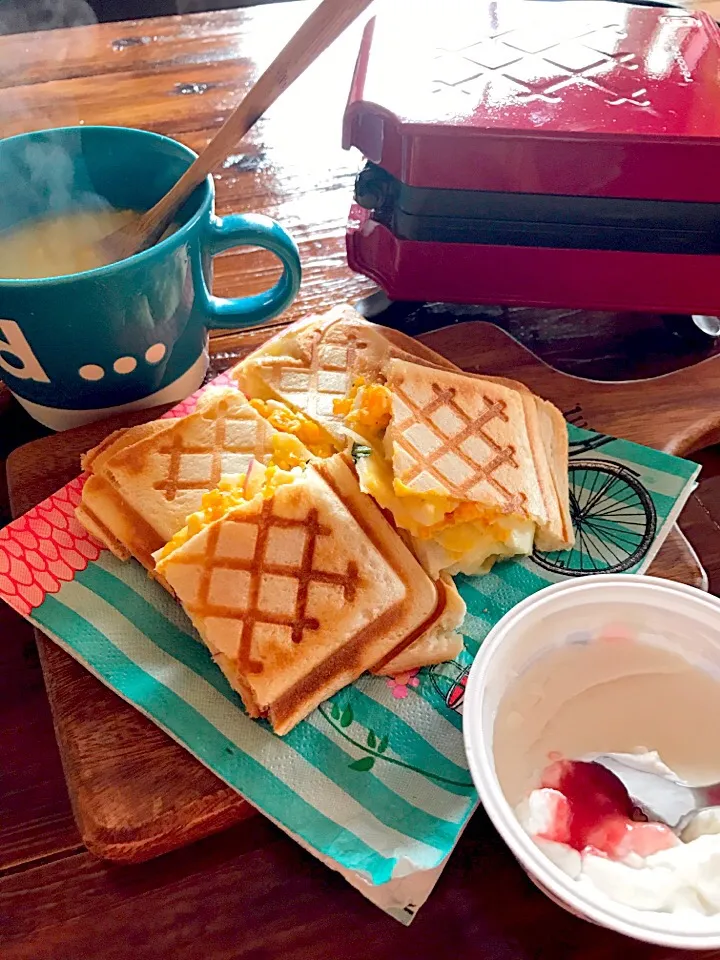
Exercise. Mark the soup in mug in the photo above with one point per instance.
(61, 245)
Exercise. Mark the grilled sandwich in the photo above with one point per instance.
(473, 468)
(146, 481)
(298, 584)
(314, 363)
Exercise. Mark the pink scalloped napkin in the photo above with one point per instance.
(47, 546)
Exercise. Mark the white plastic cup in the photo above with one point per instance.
(681, 619)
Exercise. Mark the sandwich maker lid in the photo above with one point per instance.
(581, 97)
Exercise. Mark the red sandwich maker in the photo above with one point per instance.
(536, 152)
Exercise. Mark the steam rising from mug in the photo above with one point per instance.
(47, 170)
(134, 332)
(56, 186)
(21, 16)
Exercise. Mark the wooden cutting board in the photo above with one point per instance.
(135, 792)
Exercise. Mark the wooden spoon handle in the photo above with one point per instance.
(321, 28)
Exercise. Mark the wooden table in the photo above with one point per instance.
(250, 892)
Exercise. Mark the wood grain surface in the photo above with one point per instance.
(323, 26)
(137, 794)
(134, 791)
(250, 893)
(677, 412)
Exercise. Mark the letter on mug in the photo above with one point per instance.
(14, 344)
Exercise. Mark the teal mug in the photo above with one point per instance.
(132, 334)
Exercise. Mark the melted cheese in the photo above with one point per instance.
(428, 514)
(414, 513)
(481, 548)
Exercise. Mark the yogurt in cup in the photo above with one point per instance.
(676, 621)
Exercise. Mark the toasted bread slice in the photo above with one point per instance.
(297, 594)
(102, 511)
(314, 362)
(549, 442)
(463, 438)
(144, 489)
(471, 467)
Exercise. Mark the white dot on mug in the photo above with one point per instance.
(125, 365)
(155, 353)
(91, 371)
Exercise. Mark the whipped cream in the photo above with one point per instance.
(684, 876)
(608, 694)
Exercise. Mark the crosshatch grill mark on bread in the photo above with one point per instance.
(218, 448)
(449, 445)
(310, 383)
(315, 361)
(325, 378)
(164, 478)
(212, 454)
(258, 567)
(327, 535)
(547, 431)
(318, 685)
(331, 478)
(151, 478)
(451, 436)
(95, 460)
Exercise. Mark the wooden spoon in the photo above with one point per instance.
(322, 27)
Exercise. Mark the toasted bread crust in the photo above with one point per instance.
(439, 641)
(121, 528)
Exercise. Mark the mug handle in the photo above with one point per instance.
(255, 230)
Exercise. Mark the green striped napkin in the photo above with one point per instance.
(375, 782)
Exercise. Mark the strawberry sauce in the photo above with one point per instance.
(593, 813)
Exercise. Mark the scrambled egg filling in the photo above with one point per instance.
(367, 408)
(316, 439)
(480, 548)
(469, 535)
(297, 435)
(287, 451)
(454, 523)
(216, 503)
